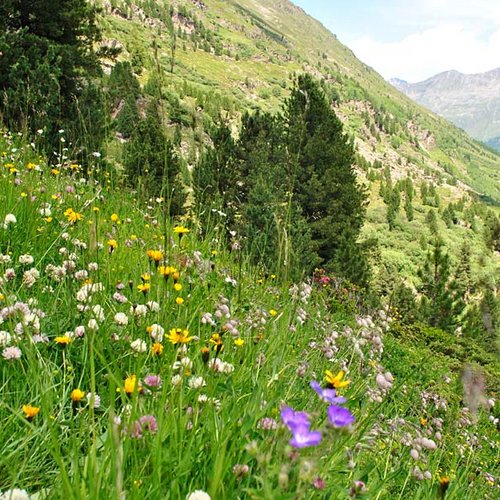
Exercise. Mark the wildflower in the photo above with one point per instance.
(30, 411)
(444, 482)
(26, 259)
(240, 470)
(198, 495)
(181, 230)
(273, 312)
(179, 301)
(130, 385)
(336, 381)
(298, 423)
(144, 288)
(157, 348)
(9, 219)
(95, 398)
(216, 340)
(239, 342)
(11, 353)
(166, 271)
(112, 244)
(114, 218)
(121, 319)
(196, 382)
(155, 255)
(205, 354)
(72, 216)
(139, 345)
(15, 494)
(340, 417)
(76, 395)
(152, 380)
(267, 424)
(63, 340)
(156, 331)
(179, 336)
(327, 395)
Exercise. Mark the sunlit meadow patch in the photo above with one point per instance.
(140, 361)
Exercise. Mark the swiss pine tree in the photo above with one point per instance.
(321, 158)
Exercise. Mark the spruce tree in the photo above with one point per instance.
(321, 160)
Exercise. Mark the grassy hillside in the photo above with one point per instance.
(218, 58)
(141, 361)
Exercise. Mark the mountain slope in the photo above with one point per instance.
(471, 102)
(211, 59)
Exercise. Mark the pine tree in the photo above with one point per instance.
(441, 304)
(321, 161)
(151, 161)
(46, 62)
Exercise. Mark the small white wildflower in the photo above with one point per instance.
(11, 353)
(196, 382)
(198, 495)
(121, 319)
(139, 345)
(26, 259)
(93, 325)
(156, 332)
(176, 380)
(5, 338)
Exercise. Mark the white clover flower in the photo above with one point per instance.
(139, 310)
(198, 495)
(98, 312)
(93, 266)
(5, 338)
(9, 219)
(153, 306)
(11, 353)
(5, 259)
(139, 345)
(30, 277)
(121, 319)
(26, 259)
(176, 380)
(93, 325)
(156, 332)
(15, 494)
(96, 397)
(196, 382)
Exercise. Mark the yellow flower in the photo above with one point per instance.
(179, 336)
(239, 342)
(130, 385)
(144, 288)
(72, 216)
(273, 312)
(216, 340)
(155, 255)
(336, 381)
(2, 297)
(63, 340)
(114, 218)
(423, 421)
(55, 171)
(30, 166)
(112, 244)
(167, 271)
(179, 301)
(77, 395)
(180, 230)
(177, 287)
(157, 348)
(30, 411)
(145, 277)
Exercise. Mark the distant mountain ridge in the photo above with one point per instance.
(471, 102)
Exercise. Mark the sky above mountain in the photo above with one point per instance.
(414, 40)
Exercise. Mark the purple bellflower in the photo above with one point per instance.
(298, 423)
(340, 417)
(327, 395)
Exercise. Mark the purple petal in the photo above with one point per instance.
(340, 417)
(327, 395)
(290, 417)
(305, 439)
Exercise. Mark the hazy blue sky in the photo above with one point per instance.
(415, 39)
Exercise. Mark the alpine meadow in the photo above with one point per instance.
(236, 263)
